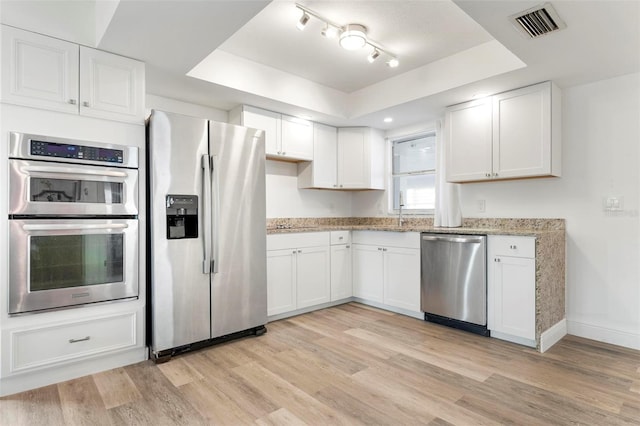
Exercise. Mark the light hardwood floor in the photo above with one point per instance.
(352, 364)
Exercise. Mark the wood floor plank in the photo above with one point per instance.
(179, 372)
(281, 417)
(214, 405)
(301, 404)
(35, 407)
(116, 387)
(81, 403)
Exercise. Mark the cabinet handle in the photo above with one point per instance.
(294, 252)
(72, 101)
(495, 175)
(341, 238)
(488, 175)
(379, 248)
(341, 186)
(496, 260)
(284, 153)
(384, 249)
(84, 339)
(348, 246)
(513, 247)
(335, 186)
(85, 104)
(299, 251)
(279, 152)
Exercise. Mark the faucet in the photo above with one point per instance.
(401, 204)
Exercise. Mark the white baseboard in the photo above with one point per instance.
(603, 334)
(553, 335)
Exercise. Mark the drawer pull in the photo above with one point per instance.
(84, 339)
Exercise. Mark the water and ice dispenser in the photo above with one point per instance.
(182, 216)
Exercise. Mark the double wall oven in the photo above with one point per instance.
(73, 223)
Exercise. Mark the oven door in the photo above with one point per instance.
(48, 189)
(61, 263)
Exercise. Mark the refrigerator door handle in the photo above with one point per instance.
(215, 196)
(206, 207)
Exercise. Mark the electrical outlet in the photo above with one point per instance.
(481, 206)
(613, 203)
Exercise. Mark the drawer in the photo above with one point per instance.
(340, 237)
(297, 240)
(63, 342)
(514, 246)
(387, 238)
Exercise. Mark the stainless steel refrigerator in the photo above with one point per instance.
(207, 220)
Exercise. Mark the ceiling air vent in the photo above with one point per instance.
(537, 21)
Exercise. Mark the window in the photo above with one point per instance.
(414, 173)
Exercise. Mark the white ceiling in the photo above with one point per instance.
(448, 50)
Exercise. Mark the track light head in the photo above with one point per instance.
(303, 21)
(329, 31)
(373, 55)
(393, 62)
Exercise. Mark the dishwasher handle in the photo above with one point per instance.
(454, 238)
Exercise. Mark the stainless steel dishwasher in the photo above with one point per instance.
(454, 281)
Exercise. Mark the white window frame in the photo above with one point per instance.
(390, 195)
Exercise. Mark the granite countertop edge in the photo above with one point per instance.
(413, 228)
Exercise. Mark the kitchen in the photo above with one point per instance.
(603, 300)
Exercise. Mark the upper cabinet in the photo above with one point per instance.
(511, 135)
(344, 158)
(286, 138)
(48, 73)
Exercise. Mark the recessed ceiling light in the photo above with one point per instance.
(388, 119)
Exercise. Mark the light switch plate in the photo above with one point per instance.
(613, 203)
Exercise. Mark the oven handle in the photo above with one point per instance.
(206, 205)
(71, 226)
(74, 171)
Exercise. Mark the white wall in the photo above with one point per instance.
(601, 157)
(185, 108)
(284, 199)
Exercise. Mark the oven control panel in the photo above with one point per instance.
(79, 152)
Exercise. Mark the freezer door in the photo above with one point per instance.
(239, 283)
(180, 288)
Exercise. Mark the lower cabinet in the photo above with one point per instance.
(511, 282)
(386, 268)
(298, 271)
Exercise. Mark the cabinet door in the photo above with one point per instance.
(267, 121)
(354, 158)
(325, 156)
(313, 276)
(111, 86)
(402, 278)
(39, 71)
(281, 285)
(468, 148)
(522, 132)
(512, 296)
(368, 272)
(297, 138)
(341, 281)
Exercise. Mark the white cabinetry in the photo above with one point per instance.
(351, 158)
(386, 268)
(511, 283)
(511, 135)
(286, 138)
(298, 271)
(44, 72)
(341, 279)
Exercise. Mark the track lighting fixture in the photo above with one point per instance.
(373, 55)
(303, 21)
(351, 36)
